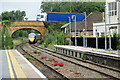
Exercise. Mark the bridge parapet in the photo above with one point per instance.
(27, 23)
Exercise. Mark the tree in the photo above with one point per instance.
(73, 7)
(13, 15)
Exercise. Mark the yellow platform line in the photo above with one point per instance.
(10, 66)
(18, 70)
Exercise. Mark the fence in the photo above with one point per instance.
(91, 42)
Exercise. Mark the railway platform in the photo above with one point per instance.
(91, 50)
(14, 65)
(101, 56)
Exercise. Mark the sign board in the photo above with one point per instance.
(1, 25)
(68, 39)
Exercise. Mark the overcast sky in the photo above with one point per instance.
(31, 7)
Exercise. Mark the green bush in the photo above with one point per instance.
(1, 38)
(56, 38)
(9, 42)
(6, 22)
(117, 36)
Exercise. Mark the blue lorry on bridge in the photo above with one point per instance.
(60, 17)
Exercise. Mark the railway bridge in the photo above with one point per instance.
(35, 25)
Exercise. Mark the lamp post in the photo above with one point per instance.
(105, 30)
(75, 32)
(96, 39)
(74, 18)
(83, 37)
(70, 29)
(85, 30)
(110, 48)
(4, 37)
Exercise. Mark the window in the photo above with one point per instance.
(84, 34)
(98, 34)
(91, 33)
(42, 16)
(112, 8)
(102, 34)
(113, 29)
(77, 33)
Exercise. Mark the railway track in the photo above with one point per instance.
(105, 70)
(49, 72)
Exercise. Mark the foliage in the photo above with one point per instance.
(37, 51)
(28, 57)
(56, 38)
(1, 38)
(0, 17)
(19, 40)
(117, 36)
(6, 22)
(13, 15)
(8, 40)
(73, 7)
(22, 33)
(53, 26)
(8, 43)
(3, 31)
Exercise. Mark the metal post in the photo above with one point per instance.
(4, 37)
(96, 39)
(110, 48)
(105, 30)
(70, 29)
(83, 38)
(75, 32)
(85, 30)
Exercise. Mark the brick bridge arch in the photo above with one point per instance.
(35, 25)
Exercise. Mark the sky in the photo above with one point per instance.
(31, 7)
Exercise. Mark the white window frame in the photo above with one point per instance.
(112, 8)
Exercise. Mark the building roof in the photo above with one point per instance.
(91, 18)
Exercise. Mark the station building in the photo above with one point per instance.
(112, 18)
(93, 17)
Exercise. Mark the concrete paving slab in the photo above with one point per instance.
(4, 69)
(12, 64)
